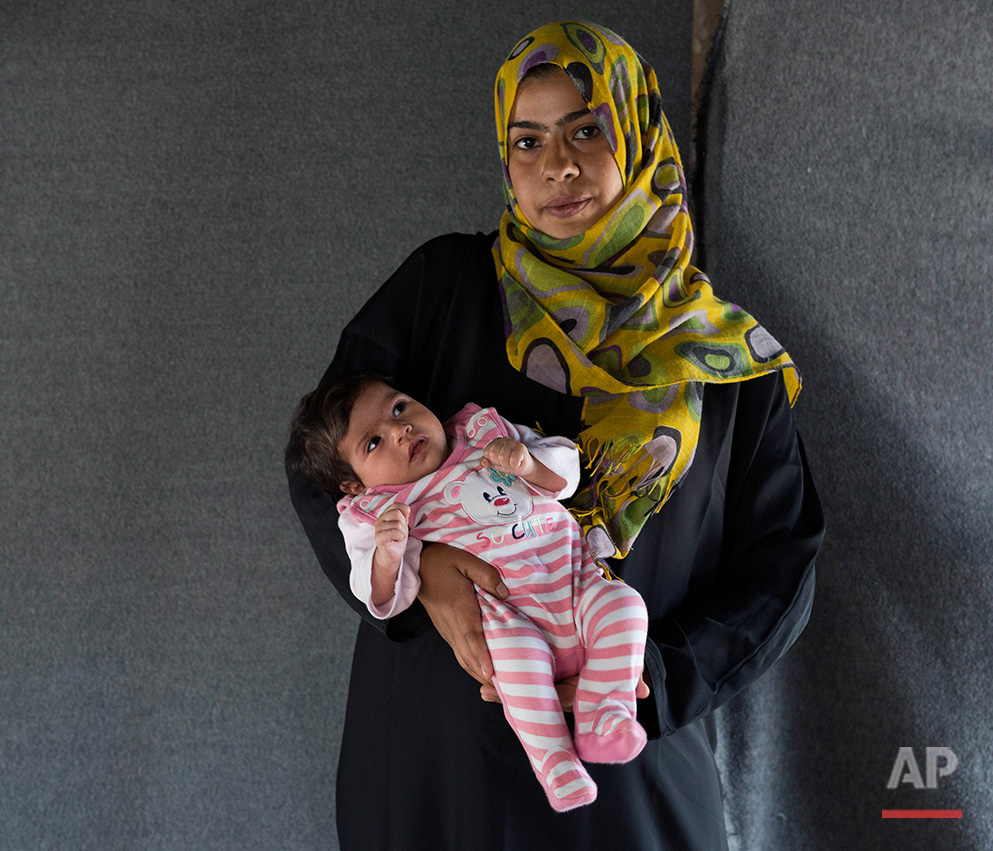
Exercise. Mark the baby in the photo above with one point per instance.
(490, 488)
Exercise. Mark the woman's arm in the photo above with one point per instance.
(448, 575)
(759, 601)
(396, 333)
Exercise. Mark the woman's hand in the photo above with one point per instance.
(447, 593)
(567, 691)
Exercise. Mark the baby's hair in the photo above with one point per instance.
(320, 423)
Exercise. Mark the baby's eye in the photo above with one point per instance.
(398, 408)
(372, 444)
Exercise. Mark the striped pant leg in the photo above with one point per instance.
(523, 677)
(613, 621)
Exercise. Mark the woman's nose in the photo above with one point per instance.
(559, 161)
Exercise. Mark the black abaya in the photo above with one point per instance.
(726, 570)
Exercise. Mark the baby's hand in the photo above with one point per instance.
(508, 456)
(392, 531)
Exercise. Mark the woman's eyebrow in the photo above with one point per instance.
(527, 125)
(565, 119)
(572, 116)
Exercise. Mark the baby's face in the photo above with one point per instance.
(391, 439)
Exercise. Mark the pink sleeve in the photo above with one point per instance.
(559, 454)
(360, 544)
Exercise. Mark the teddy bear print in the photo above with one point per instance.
(491, 498)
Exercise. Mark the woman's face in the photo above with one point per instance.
(561, 166)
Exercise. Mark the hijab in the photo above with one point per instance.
(617, 314)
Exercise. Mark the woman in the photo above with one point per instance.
(582, 314)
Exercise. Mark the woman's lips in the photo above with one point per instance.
(567, 205)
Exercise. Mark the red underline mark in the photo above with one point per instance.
(922, 813)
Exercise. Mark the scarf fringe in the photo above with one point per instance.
(607, 459)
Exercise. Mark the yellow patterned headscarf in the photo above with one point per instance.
(617, 314)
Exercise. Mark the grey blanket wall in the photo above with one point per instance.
(195, 198)
(848, 202)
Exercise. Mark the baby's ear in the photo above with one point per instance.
(352, 487)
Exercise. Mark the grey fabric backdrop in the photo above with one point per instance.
(849, 204)
(195, 198)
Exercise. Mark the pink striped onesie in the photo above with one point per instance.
(561, 618)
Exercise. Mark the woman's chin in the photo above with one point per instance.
(565, 228)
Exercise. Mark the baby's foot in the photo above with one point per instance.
(616, 737)
(567, 783)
